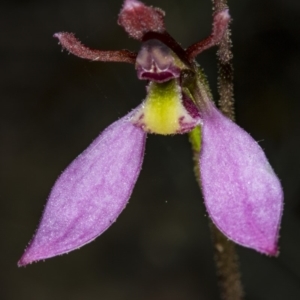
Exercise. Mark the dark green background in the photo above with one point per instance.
(53, 105)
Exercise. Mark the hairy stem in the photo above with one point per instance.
(225, 253)
(227, 266)
(225, 68)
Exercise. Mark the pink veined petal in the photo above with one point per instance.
(91, 193)
(242, 194)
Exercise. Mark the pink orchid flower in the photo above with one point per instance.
(242, 194)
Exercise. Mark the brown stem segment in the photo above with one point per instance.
(74, 46)
(225, 78)
(227, 265)
(225, 253)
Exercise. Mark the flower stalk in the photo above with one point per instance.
(226, 258)
(225, 68)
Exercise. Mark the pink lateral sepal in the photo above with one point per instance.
(91, 193)
(242, 194)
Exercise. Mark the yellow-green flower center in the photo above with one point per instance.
(163, 111)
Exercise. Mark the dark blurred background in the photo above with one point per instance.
(53, 105)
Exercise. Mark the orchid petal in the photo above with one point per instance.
(242, 194)
(91, 193)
